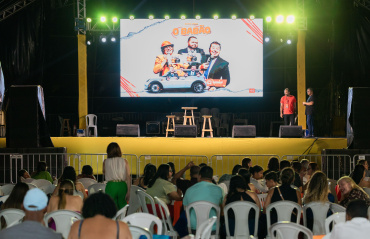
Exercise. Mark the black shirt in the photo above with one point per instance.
(310, 108)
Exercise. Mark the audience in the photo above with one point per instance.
(117, 172)
(69, 173)
(247, 177)
(41, 172)
(357, 224)
(98, 211)
(297, 167)
(34, 205)
(257, 174)
(365, 163)
(246, 163)
(358, 175)
(65, 199)
(184, 184)
(305, 177)
(271, 179)
(272, 166)
(23, 175)
(312, 168)
(351, 191)
(284, 164)
(87, 172)
(149, 172)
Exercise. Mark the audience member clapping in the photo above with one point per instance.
(351, 191)
(87, 172)
(98, 211)
(149, 172)
(256, 176)
(69, 173)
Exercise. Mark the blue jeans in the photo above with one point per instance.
(310, 125)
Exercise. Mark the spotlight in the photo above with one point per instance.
(88, 19)
(114, 19)
(268, 19)
(251, 17)
(183, 17)
(197, 17)
(233, 17)
(166, 17)
(88, 42)
(103, 19)
(289, 42)
(279, 18)
(290, 19)
(132, 17)
(267, 39)
(104, 39)
(151, 17)
(113, 39)
(281, 40)
(215, 17)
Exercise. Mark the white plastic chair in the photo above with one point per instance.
(319, 211)
(12, 216)
(367, 190)
(205, 229)
(166, 218)
(96, 188)
(337, 208)
(137, 232)
(202, 211)
(284, 210)
(31, 185)
(262, 197)
(241, 211)
(91, 122)
(288, 230)
(63, 220)
(121, 213)
(133, 201)
(145, 220)
(143, 198)
(334, 219)
(87, 182)
(44, 185)
(4, 198)
(7, 188)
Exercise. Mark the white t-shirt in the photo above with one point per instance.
(358, 228)
(115, 169)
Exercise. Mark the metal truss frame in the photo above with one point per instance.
(14, 9)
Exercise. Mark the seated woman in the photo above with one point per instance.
(149, 172)
(69, 173)
(41, 172)
(238, 192)
(160, 187)
(87, 172)
(98, 211)
(350, 191)
(247, 177)
(271, 179)
(257, 174)
(272, 166)
(358, 176)
(24, 176)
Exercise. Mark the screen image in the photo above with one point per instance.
(191, 58)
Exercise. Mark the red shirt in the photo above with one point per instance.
(288, 104)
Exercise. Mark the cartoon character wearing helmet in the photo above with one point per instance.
(163, 62)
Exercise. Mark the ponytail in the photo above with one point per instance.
(66, 188)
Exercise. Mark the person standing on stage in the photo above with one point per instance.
(310, 111)
(117, 173)
(288, 107)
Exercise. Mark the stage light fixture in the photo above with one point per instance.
(197, 17)
(290, 19)
(215, 17)
(132, 17)
(151, 17)
(88, 42)
(88, 19)
(183, 17)
(279, 18)
(233, 17)
(103, 39)
(268, 19)
(251, 17)
(267, 39)
(103, 19)
(114, 19)
(166, 17)
(289, 42)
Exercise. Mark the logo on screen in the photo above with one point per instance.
(252, 90)
(196, 30)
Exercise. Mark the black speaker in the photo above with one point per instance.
(287, 131)
(128, 130)
(153, 127)
(185, 131)
(358, 123)
(244, 131)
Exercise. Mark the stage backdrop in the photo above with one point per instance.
(175, 58)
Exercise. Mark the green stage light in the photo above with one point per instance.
(114, 19)
(251, 17)
(103, 19)
(166, 17)
(132, 17)
(151, 17)
(183, 17)
(268, 19)
(233, 17)
(88, 19)
(197, 17)
(215, 17)
(290, 19)
(279, 18)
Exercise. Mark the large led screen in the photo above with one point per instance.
(191, 58)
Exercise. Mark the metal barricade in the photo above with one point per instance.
(11, 163)
(333, 165)
(180, 161)
(358, 157)
(223, 164)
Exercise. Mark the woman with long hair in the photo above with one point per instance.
(23, 176)
(358, 175)
(149, 172)
(41, 172)
(65, 198)
(256, 175)
(272, 166)
(117, 172)
(247, 177)
(69, 173)
(350, 191)
(317, 189)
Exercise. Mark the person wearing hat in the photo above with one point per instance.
(163, 62)
(34, 204)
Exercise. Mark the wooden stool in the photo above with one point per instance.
(186, 117)
(65, 128)
(168, 124)
(210, 130)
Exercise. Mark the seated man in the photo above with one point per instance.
(34, 204)
(357, 224)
